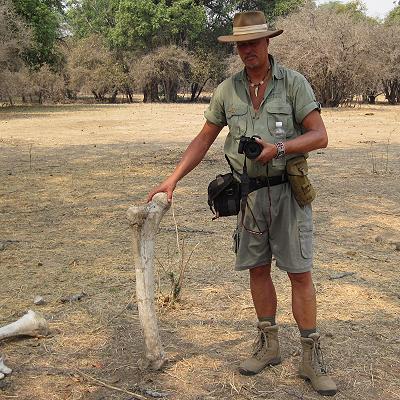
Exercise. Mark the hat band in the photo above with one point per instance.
(243, 30)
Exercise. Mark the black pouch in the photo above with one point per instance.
(224, 196)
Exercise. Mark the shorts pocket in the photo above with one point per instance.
(305, 226)
(306, 241)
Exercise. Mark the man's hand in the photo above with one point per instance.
(190, 159)
(168, 187)
(268, 152)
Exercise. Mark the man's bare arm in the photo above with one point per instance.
(314, 138)
(195, 152)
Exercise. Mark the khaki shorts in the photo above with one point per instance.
(288, 231)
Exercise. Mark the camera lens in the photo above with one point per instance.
(252, 150)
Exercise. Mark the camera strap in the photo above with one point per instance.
(244, 192)
(244, 188)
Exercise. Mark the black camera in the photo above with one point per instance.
(249, 146)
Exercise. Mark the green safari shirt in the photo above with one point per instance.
(288, 98)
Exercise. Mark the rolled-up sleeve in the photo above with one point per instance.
(215, 112)
(304, 99)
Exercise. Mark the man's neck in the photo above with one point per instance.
(257, 74)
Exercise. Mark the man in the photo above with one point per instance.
(250, 103)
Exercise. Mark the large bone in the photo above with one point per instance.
(144, 221)
(31, 324)
(4, 370)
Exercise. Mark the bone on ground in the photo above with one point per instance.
(31, 324)
(144, 221)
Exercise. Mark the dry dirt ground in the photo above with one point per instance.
(68, 175)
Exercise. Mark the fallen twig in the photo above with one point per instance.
(135, 395)
(341, 275)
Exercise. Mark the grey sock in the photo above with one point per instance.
(268, 319)
(307, 332)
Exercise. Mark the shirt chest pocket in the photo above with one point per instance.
(236, 117)
(280, 112)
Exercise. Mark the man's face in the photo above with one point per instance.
(253, 53)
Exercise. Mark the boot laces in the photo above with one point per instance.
(318, 358)
(260, 343)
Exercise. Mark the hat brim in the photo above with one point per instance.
(249, 36)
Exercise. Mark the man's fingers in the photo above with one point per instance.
(169, 195)
(168, 192)
(152, 193)
(150, 196)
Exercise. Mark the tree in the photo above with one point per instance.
(88, 17)
(15, 37)
(45, 85)
(393, 18)
(45, 19)
(388, 64)
(144, 25)
(163, 72)
(334, 52)
(272, 9)
(92, 68)
(207, 69)
(355, 8)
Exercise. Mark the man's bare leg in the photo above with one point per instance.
(263, 291)
(266, 351)
(304, 304)
(305, 313)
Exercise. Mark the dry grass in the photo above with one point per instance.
(68, 176)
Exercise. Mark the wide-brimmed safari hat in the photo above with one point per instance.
(249, 25)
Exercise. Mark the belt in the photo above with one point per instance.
(265, 181)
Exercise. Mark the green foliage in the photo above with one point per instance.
(393, 18)
(88, 17)
(272, 9)
(44, 17)
(355, 8)
(147, 24)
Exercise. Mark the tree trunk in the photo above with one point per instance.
(389, 88)
(150, 93)
(193, 90)
(173, 91)
(129, 93)
(196, 89)
(113, 98)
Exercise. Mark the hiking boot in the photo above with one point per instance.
(312, 366)
(265, 350)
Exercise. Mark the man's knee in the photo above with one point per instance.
(263, 271)
(301, 279)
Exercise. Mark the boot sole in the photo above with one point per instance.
(321, 392)
(246, 372)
